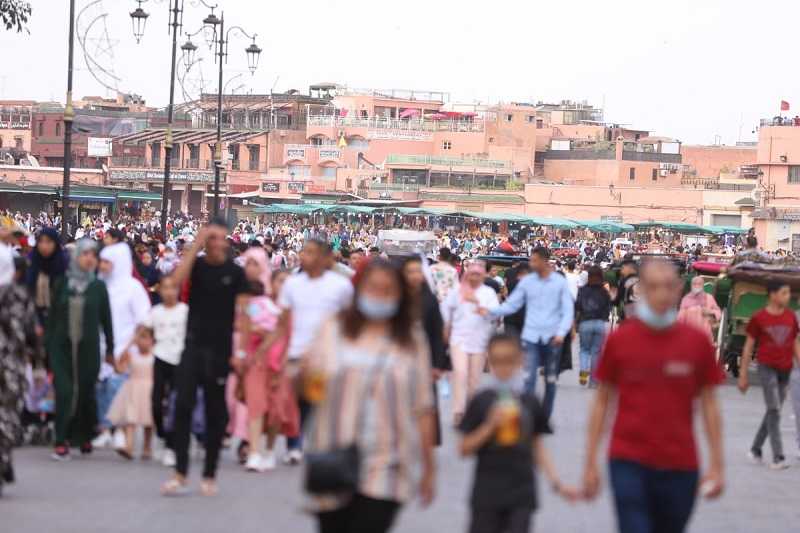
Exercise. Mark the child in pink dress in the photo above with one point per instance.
(270, 403)
(131, 407)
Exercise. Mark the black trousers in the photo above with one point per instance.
(510, 520)
(163, 385)
(198, 369)
(361, 515)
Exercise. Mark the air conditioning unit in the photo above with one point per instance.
(663, 173)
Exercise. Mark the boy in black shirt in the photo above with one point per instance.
(503, 429)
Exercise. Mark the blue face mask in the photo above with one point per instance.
(375, 309)
(655, 320)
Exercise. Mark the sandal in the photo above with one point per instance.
(208, 487)
(124, 453)
(173, 487)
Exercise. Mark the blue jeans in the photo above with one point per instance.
(592, 334)
(105, 391)
(543, 354)
(648, 500)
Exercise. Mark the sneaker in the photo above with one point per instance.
(168, 459)
(102, 440)
(254, 462)
(268, 462)
(293, 458)
(755, 458)
(780, 464)
(60, 453)
(86, 448)
(119, 441)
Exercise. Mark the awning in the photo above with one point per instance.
(139, 196)
(408, 113)
(602, 226)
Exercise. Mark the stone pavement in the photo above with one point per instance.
(107, 495)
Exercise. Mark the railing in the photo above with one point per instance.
(780, 121)
(129, 162)
(716, 185)
(655, 157)
(411, 124)
(394, 187)
(580, 154)
(399, 159)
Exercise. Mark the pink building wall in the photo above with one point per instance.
(50, 175)
(710, 161)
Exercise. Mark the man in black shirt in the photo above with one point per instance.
(503, 428)
(215, 283)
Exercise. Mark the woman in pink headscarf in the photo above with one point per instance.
(257, 270)
(699, 308)
(468, 332)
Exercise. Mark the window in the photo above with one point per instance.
(447, 145)
(316, 141)
(17, 143)
(539, 124)
(530, 119)
(58, 129)
(254, 152)
(299, 171)
(632, 173)
(41, 129)
(794, 173)
(655, 174)
(509, 117)
(328, 172)
(155, 154)
(491, 139)
(795, 243)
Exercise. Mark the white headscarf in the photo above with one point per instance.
(6, 265)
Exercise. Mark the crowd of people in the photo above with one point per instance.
(310, 333)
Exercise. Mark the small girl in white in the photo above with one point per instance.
(132, 406)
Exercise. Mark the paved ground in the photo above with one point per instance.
(104, 494)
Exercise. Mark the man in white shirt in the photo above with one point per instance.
(573, 279)
(308, 298)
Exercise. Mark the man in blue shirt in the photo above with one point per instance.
(549, 312)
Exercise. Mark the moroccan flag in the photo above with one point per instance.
(784, 105)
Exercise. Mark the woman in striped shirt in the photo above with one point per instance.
(375, 366)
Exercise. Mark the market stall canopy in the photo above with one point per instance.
(678, 227)
(602, 226)
(722, 230)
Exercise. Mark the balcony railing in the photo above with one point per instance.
(655, 157)
(580, 154)
(716, 185)
(780, 121)
(411, 124)
(398, 159)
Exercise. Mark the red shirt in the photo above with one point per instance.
(657, 375)
(775, 335)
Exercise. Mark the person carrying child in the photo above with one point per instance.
(503, 427)
(132, 407)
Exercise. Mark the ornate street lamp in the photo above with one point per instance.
(188, 48)
(210, 24)
(139, 21)
(253, 53)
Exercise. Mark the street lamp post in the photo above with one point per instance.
(69, 116)
(253, 53)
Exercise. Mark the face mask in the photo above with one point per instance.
(375, 309)
(697, 290)
(655, 320)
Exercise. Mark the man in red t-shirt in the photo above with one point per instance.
(774, 329)
(655, 368)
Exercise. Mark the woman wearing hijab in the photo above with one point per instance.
(80, 311)
(18, 344)
(130, 306)
(48, 264)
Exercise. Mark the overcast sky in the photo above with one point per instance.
(690, 69)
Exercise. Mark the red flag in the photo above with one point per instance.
(784, 105)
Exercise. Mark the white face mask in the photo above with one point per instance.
(655, 320)
(697, 290)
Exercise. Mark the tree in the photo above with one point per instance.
(14, 14)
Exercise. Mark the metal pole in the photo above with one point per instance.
(218, 148)
(69, 116)
(176, 9)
